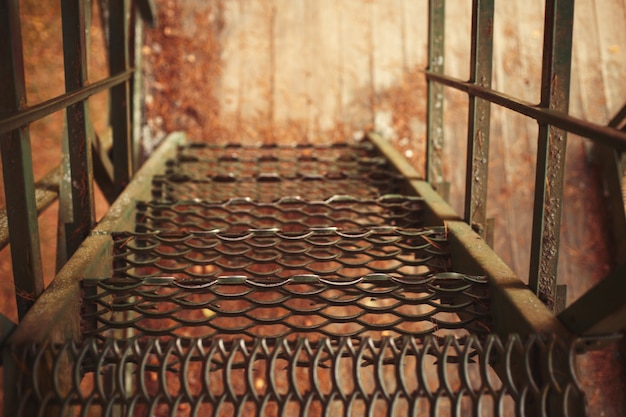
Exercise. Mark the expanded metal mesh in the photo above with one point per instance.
(288, 214)
(374, 305)
(274, 377)
(342, 151)
(268, 187)
(275, 255)
(289, 281)
(225, 163)
(266, 173)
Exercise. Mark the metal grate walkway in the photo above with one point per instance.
(289, 281)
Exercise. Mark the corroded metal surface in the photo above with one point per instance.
(551, 148)
(478, 129)
(434, 116)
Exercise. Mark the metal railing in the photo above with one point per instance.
(249, 312)
(551, 114)
(25, 199)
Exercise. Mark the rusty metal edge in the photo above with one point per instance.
(515, 308)
(55, 315)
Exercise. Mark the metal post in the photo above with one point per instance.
(479, 117)
(120, 95)
(555, 83)
(434, 120)
(134, 54)
(17, 165)
(78, 125)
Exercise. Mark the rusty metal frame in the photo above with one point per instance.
(55, 317)
(515, 308)
(23, 195)
(554, 123)
(434, 119)
(79, 136)
(479, 117)
(552, 142)
(18, 166)
(53, 326)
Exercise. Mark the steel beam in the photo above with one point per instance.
(477, 167)
(17, 166)
(552, 142)
(434, 118)
(79, 132)
(120, 95)
(27, 115)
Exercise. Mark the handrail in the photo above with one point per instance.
(551, 115)
(606, 135)
(39, 111)
(24, 200)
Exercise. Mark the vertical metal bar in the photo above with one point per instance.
(434, 119)
(479, 117)
(120, 95)
(78, 125)
(555, 83)
(17, 165)
(135, 42)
